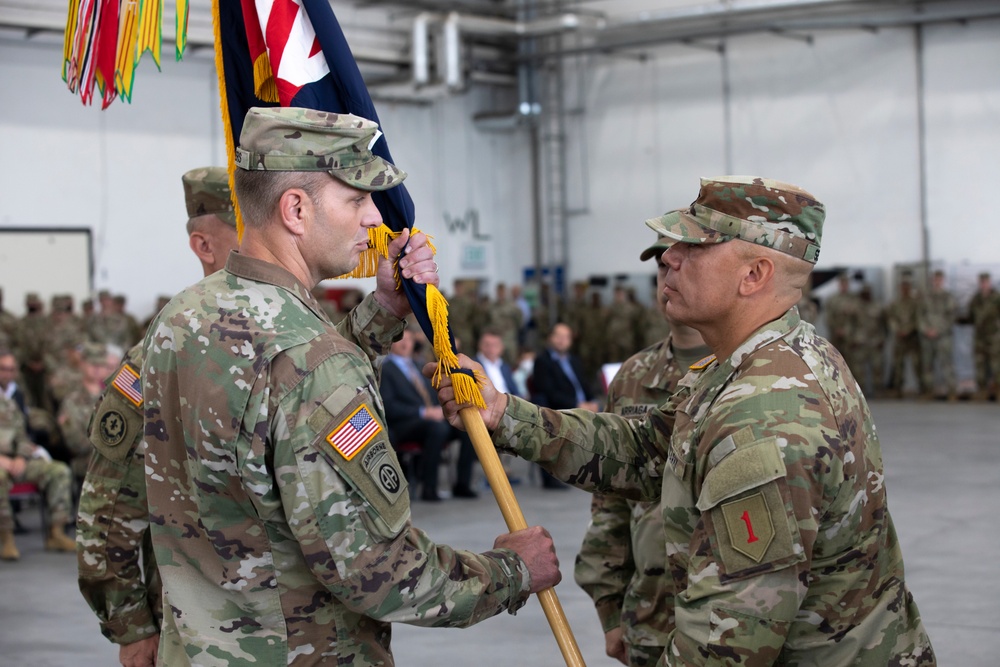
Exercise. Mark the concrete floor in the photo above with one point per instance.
(943, 475)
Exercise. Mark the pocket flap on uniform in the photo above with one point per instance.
(743, 468)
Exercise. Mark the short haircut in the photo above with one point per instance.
(258, 192)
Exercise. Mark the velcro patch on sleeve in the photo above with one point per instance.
(354, 441)
(116, 427)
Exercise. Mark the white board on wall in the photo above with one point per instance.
(53, 260)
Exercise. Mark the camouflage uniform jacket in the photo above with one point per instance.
(903, 316)
(75, 412)
(622, 560)
(116, 569)
(279, 514)
(938, 311)
(984, 310)
(779, 540)
(14, 441)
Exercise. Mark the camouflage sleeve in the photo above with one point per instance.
(73, 423)
(116, 570)
(600, 453)
(371, 327)
(348, 510)
(111, 526)
(604, 566)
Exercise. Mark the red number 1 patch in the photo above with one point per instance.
(746, 519)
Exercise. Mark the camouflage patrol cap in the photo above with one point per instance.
(769, 213)
(94, 353)
(32, 298)
(655, 250)
(206, 192)
(293, 139)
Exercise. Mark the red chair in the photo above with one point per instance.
(28, 493)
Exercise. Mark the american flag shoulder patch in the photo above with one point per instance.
(352, 434)
(128, 384)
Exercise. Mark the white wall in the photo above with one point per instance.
(838, 117)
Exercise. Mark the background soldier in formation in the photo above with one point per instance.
(937, 316)
(842, 316)
(984, 311)
(903, 318)
(867, 343)
(504, 317)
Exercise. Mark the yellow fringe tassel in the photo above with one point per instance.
(227, 127)
(264, 85)
(466, 385)
(379, 239)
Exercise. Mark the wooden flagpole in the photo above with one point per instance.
(512, 514)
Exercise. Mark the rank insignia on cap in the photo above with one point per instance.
(354, 433)
(701, 364)
(129, 385)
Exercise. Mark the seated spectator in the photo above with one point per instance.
(98, 362)
(21, 460)
(559, 382)
(414, 415)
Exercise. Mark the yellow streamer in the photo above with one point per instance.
(128, 38)
(150, 33)
(69, 36)
(182, 27)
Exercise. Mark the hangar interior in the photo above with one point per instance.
(538, 136)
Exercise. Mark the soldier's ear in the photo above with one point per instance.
(294, 209)
(757, 274)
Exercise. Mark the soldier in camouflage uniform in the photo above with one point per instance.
(18, 463)
(620, 327)
(936, 317)
(779, 542)
(868, 343)
(116, 567)
(984, 311)
(78, 406)
(841, 315)
(8, 327)
(30, 349)
(903, 318)
(278, 511)
(464, 317)
(505, 318)
(622, 560)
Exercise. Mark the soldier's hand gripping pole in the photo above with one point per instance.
(512, 514)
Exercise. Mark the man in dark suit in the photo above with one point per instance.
(558, 381)
(414, 415)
